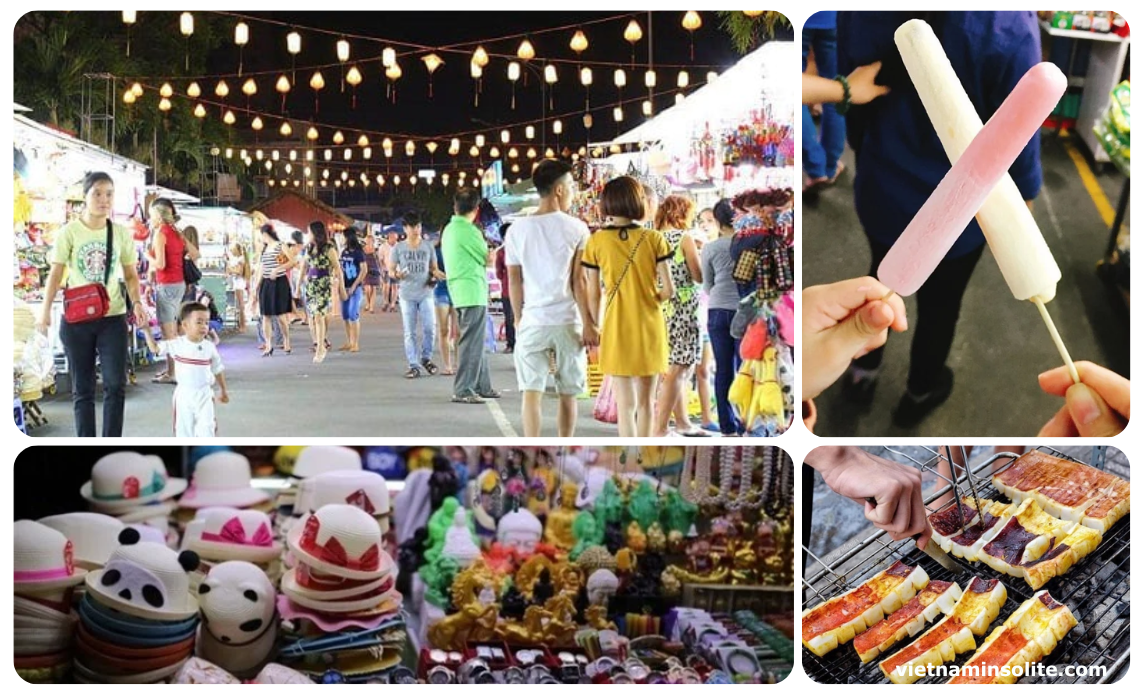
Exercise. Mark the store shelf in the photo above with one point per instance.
(1080, 34)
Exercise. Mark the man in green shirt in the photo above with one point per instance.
(465, 257)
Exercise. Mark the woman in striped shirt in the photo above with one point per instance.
(271, 289)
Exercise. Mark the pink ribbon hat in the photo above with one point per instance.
(341, 540)
(125, 479)
(222, 479)
(44, 560)
(224, 534)
(365, 490)
(94, 535)
(146, 580)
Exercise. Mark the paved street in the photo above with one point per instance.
(363, 394)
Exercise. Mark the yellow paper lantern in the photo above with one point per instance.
(164, 104)
(551, 74)
(354, 77)
(362, 141)
(249, 87)
(633, 32)
(480, 57)
(526, 51)
(137, 89)
(166, 91)
(293, 42)
(578, 42)
(283, 86)
(129, 97)
(286, 129)
(194, 91)
(229, 118)
(691, 21)
(256, 124)
(410, 148)
(338, 138)
(317, 81)
(494, 152)
(312, 134)
(222, 90)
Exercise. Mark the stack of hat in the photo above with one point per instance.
(239, 618)
(135, 489)
(138, 618)
(365, 490)
(313, 461)
(229, 534)
(340, 599)
(43, 577)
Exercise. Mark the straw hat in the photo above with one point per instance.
(146, 580)
(44, 559)
(238, 603)
(94, 536)
(124, 479)
(457, 544)
(222, 534)
(367, 491)
(341, 540)
(222, 479)
(316, 460)
(366, 602)
(306, 582)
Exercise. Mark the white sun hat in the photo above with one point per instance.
(366, 490)
(458, 544)
(224, 534)
(44, 559)
(94, 536)
(125, 479)
(238, 603)
(341, 540)
(304, 582)
(222, 479)
(146, 580)
(316, 460)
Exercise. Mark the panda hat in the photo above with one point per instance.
(146, 580)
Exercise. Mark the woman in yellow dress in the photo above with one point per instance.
(630, 261)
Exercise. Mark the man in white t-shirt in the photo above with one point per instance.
(548, 299)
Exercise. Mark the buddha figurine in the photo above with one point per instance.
(560, 523)
(609, 504)
(635, 539)
(601, 586)
(585, 533)
(643, 504)
(656, 537)
(438, 525)
(699, 557)
(521, 530)
(676, 542)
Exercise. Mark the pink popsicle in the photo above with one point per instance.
(959, 196)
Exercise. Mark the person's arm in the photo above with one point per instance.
(303, 271)
(580, 286)
(158, 251)
(515, 282)
(391, 265)
(55, 279)
(223, 394)
(861, 82)
(890, 493)
(692, 257)
(361, 275)
(131, 279)
(593, 295)
(191, 249)
(708, 272)
(665, 290)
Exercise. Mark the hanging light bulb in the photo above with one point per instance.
(480, 57)
(474, 151)
(480, 141)
(388, 57)
(453, 149)
(222, 90)
(229, 118)
(432, 147)
(513, 153)
(691, 22)
(532, 153)
(129, 97)
(579, 42)
(505, 137)
(256, 123)
(651, 78)
(328, 155)
(312, 134)
(432, 62)
(530, 132)
(619, 78)
(186, 24)
(283, 86)
(249, 87)
(526, 51)
(164, 104)
(633, 32)
(647, 107)
(348, 154)
(619, 115)
(494, 152)
(410, 148)
(338, 138)
(551, 74)
(683, 79)
(241, 34)
(317, 81)
(587, 76)
(166, 91)
(367, 153)
(286, 129)
(354, 78)
(343, 50)
(194, 91)
(293, 42)
(588, 121)
(558, 127)
(362, 141)
(393, 73)
(137, 89)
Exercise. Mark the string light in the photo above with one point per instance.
(579, 42)
(166, 91)
(691, 22)
(241, 38)
(229, 118)
(286, 129)
(283, 87)
(186, 26)
(432, 62)
(222, 90)
(388, 57)
(129, 18)
(354, 78)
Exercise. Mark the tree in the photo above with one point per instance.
(747, 32)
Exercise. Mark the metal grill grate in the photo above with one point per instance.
(1097, 590)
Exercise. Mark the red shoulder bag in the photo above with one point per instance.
(91, 301)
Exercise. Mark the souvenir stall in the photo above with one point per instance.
(47, 193)
(327, 564)
(219, 229)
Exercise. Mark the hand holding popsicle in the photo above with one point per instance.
(978, 183)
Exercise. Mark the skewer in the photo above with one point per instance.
(1057, 339)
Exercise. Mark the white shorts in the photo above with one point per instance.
(532, 358)
(238, 283)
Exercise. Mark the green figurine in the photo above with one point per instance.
(677, 514)
(643, 504)
(608, 505)
(586, 534)
(438, 524)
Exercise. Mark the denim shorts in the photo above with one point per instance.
(168, 301)
(350, 307)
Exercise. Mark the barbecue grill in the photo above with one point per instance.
(1097, 589)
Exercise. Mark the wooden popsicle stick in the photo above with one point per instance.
(1057, 338)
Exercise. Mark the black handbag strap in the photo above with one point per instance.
(110, 252)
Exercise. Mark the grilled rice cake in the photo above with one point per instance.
(954, 635)
(1067, 490)
(938, 597)
(838, 620)
(1033, 545)
(982, 521)
(1027, 636)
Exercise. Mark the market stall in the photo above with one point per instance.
(219, 229)
(49, 169)
(444, 565)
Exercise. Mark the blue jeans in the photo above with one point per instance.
(423, 311)
(822, 151)
(726, 355)
(106, 339)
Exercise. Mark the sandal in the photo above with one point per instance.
(467, 400)
(163, 378)
(412, 372)
(431, 368)
(491, 395)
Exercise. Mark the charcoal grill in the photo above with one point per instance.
(1097, 589)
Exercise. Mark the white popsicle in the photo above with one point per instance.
(964, 189)
(1013, 236)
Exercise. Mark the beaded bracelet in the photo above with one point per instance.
(843, 107)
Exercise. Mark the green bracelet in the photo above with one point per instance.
(843, 107)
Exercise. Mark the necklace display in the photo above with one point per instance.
(696, 475)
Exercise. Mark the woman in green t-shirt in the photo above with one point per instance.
(81, 250)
